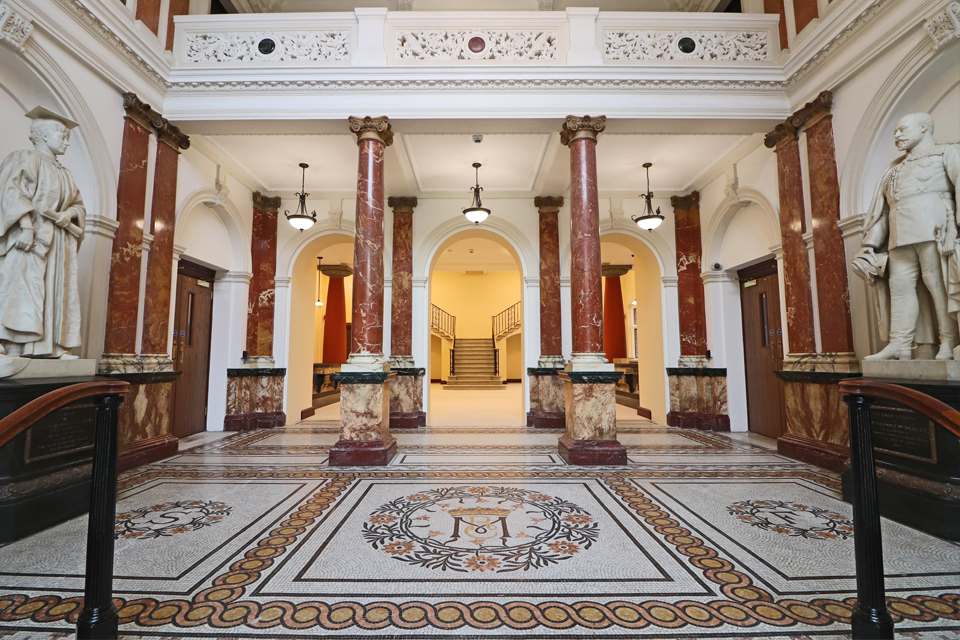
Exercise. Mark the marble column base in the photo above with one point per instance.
(251, 421)
(408, 419)
(591, 452)
(365, 438)
(406, 398)
(591, 418)
(254, 399)
(547, 398)
(698, 420)
(547, 419)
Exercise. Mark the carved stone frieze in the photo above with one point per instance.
(577, 126)
(944, 25)
(477, 45)
(379, 126)
(402, 203)
(714, 46)
(15, 28)
(309, 46)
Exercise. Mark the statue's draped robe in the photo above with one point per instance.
(39, 296)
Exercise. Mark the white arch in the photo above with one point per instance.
(287, 255)
(228, 214)
(424, 258)
(724, 215)
(662, 251)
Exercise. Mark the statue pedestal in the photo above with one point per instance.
(917, 474)
(51, 368)
(45, 471)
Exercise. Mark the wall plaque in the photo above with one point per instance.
(902, 432)
(66, 431)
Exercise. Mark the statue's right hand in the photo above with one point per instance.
(25, 241)
(867, 250)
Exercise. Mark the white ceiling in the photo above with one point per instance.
(615, 253)
(340, 253)
(476, 254)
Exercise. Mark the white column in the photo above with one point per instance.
(281, 331)
(566, 322)
(812, 258)
(670, 295)
(777, 251)
(178, 251)
(420, 336)
(230, 291)
(725, 337)
(583, 49)
(94, 277)
(370, 51)
(387, 314)
(531, 333)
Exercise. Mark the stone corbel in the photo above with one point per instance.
(851, 225)
(944, 26)
(147, 241)
(101, 226)
(15, 27)
(178, 250)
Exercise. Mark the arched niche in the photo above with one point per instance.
(212, 234)
(741, 233)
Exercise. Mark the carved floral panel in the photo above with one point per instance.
(14, 27)
(944, 26)
(477, 45)
(714, 46)
(318, 46)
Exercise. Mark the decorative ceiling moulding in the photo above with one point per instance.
(15, 27)
(302, 46)
(477, 45)
(944, 25)
(708, 46)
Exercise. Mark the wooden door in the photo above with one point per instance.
(762, 348)
(191, 349)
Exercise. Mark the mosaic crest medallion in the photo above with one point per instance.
(480, 529)
(792, 519)
(169, 519)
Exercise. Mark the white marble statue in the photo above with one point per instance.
(910, 244)
(41, 226)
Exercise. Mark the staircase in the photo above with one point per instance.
(473, 365)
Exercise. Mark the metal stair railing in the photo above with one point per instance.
(870, 617)
(506, 321)
(98, 618)
(442, 322)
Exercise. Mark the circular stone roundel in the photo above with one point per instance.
(792, 519)
(479, 529)
(169, 518)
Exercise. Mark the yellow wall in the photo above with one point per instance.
(320, 312)
(514, 358)
(628, 287)
(650, 335)
(474, 299)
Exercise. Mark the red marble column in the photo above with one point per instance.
(614, 328)
(401, 308)
(373, 136)
(550, 313)
(693, 318)
(263, 250)
(156, 306)
(580, 134)
(833, 293)
(123, 300)
(796, 262)
(335, 323)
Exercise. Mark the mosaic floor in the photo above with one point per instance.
(479, 533)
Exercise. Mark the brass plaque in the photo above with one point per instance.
(66, 431)
(903, 432)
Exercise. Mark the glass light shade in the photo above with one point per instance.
(649, 222)
(301, 222)
(476, 215)
(319, 304)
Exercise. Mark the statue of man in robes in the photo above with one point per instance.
(41, 226)
(910, 244)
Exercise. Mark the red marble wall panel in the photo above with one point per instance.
(148, 12)
(263, 251)
(335, 324)
(833, 293)
(550, 313)
(614, 327)
(777, 7)
(693, 319)
(805, 12)
(123, 301)
(253, 296)
(367, 322)
(401, 308)
(585, 279)
(156, 306)
(796, 261)
(177, 8)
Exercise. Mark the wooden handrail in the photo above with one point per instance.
(29, 414)
(941, 413)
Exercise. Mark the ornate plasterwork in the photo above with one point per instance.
(716, 46)
(498, 45)
(310, 46)
(379, 127)
(944, 25)
(15, 28)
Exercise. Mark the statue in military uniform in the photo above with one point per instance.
(910, 244)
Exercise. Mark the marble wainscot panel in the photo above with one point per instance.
(591, 429)
(547, 399)
(254, 399)
(145, 421)
(406, 398)
(365, 438)
(818, 424)
(698, 398)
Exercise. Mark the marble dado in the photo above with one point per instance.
(254, 399)
(547, 399)
(145, 428)
(591, 417)
(698, 399)
(406, 398)
(113, 364)
(364, 419)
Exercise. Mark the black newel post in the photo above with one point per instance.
(871, 620)
(98, 619)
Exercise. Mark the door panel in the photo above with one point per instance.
(762, 349)
(191, 354)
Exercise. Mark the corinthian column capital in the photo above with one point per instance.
(577, 127)
(372, 128)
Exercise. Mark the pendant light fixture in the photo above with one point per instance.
(476, 212)
(649, 220)
(301, 219)
(319, 271)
